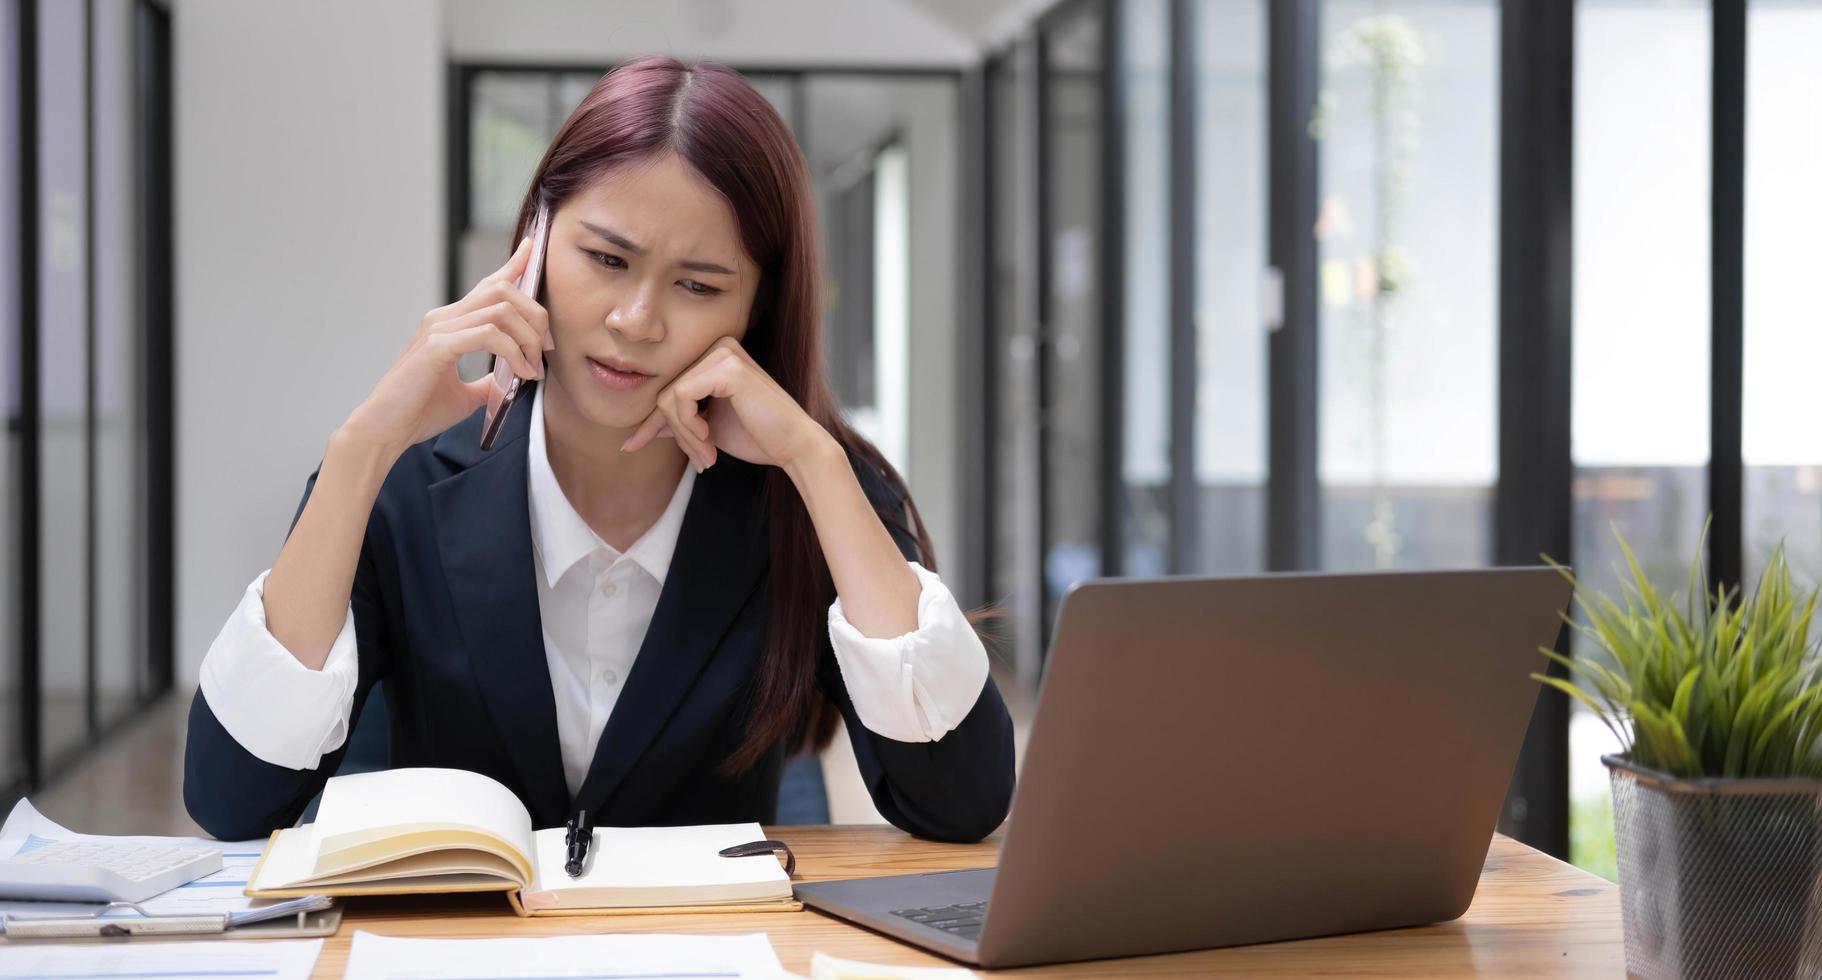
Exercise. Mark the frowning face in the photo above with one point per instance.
(644, 270)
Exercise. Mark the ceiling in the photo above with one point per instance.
(985, 23)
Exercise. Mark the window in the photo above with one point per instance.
(65, 479)
(1231, 193)
(1782, 444)
(1642, 325)
(1146, 283)
(1070, 391)
(122, 469)
(1408, 242)
(512, 116)
(889, 415)
(1016, 576)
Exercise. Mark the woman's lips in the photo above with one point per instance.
(621, 378)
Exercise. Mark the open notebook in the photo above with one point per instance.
(405, 831)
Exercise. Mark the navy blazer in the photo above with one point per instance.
(446, 612)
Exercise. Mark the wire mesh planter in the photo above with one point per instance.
(1718, 877)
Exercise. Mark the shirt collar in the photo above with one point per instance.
(560, 535)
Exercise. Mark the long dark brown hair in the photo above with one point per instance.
(718, 123)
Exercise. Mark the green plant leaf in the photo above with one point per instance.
(1716, 681)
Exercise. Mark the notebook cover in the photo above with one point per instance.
(787, 905)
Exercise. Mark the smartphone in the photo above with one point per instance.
(506, 384)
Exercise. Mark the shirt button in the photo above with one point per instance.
(609, 676)
(609, 588)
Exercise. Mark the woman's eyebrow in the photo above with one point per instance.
(694, 265)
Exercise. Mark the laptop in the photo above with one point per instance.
(1223, 761)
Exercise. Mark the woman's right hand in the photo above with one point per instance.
(422, 394)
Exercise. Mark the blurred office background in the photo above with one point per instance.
(1124, 287)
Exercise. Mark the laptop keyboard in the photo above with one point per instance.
(957, 920)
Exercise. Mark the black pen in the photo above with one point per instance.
(579, 834)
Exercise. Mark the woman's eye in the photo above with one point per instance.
(612, 261)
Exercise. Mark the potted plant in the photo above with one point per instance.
(1717, 794)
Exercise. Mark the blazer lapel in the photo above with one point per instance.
(721, 551)
(484, 536)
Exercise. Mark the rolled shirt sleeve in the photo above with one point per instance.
(279, 710)
(918, 686)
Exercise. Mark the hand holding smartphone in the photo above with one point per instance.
(506, 384)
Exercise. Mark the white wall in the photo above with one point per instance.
(309, 200)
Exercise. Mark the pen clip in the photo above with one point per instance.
(764, 847)
(578, 837)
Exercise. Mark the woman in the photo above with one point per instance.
(675, 565)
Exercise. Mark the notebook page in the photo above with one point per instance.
(658, 858)
(372, 806)
(289, 858)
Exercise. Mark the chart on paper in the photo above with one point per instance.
(605, 957)
(272, 960)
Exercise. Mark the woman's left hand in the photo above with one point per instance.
(748, 415)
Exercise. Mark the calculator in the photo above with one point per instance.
(104, 871)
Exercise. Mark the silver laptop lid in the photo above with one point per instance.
(1224, 761)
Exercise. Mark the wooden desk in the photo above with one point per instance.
(1533, 915)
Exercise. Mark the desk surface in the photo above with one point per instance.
(1532, 915)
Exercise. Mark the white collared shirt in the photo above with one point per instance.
(596, 604)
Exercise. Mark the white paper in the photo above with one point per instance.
(826, 967)
(287, 959)
(26, 829)
(673, 957)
